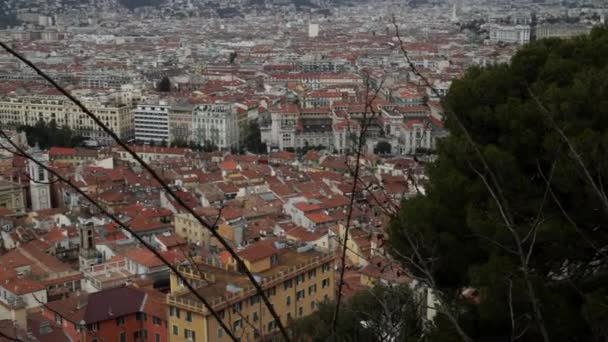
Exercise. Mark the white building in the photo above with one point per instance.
(152, 122)
(313, 30)
(39, 182)
(29, 109)
(519, 34)
(215, 124)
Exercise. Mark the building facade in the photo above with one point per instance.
(28, 110)
(40, 190)
(12, 196)
(519, 34)
(215, 124)
(295, 278)
(151, 122)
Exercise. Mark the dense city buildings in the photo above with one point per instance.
(255, 114)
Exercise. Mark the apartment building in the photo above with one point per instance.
(187, 227)
(29, 109)
(151, 122)
(295, 277)
(216, 124)
(180, 122)
(560, 30)
(519, 34)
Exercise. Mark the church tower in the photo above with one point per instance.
(88, 255)
(40, 190)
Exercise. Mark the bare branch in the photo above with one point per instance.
(361, 140)
(573, 152)
(164, 185)
(125, 227)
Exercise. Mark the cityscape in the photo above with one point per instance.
(303, 170)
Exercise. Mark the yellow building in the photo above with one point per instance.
(294, 277)
(358, 245)
(12, 196)
(190, 229)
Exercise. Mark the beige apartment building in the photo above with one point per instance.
(190, 229)
(12, 196)
(295, 278)
(28, 110)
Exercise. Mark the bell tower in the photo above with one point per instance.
(40, 190)
(88, 255)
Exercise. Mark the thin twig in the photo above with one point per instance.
(574, 153)
(125, 227)
(165, 186)
(361, 140)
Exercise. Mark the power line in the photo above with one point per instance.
(122, 225)
(166, 187)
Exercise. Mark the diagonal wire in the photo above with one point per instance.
(241, 265)
(125, 227)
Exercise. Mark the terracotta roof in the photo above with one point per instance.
(259, 250)
(113, 303)
(61, 151)
(320, 218)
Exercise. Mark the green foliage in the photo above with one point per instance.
(382, 147)
(379, 314)
(253, 138)
(180, 143)
(164, 85)
(49, 135)
(458, 224)
(208, 146)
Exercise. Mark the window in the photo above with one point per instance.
(156, 320)
(255, 317)
(300, 294)
(94, 326)
(288, 300)
(157, 337)
(237, 307)
(254, 300)
(142, 316)
(312, 305)
(301, 311)
(175, 330)
(189, 335)
(271, 292)
(189, 316)
(325, 267)
(299, 279)
(220, 332)
(123, 337)
(312, 289)
(58, 319)
(325, 283)
(272, 325)
(237, 324)
(312, 274)
(120, 321)
(288, 284)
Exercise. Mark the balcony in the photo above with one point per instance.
(220, 303)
